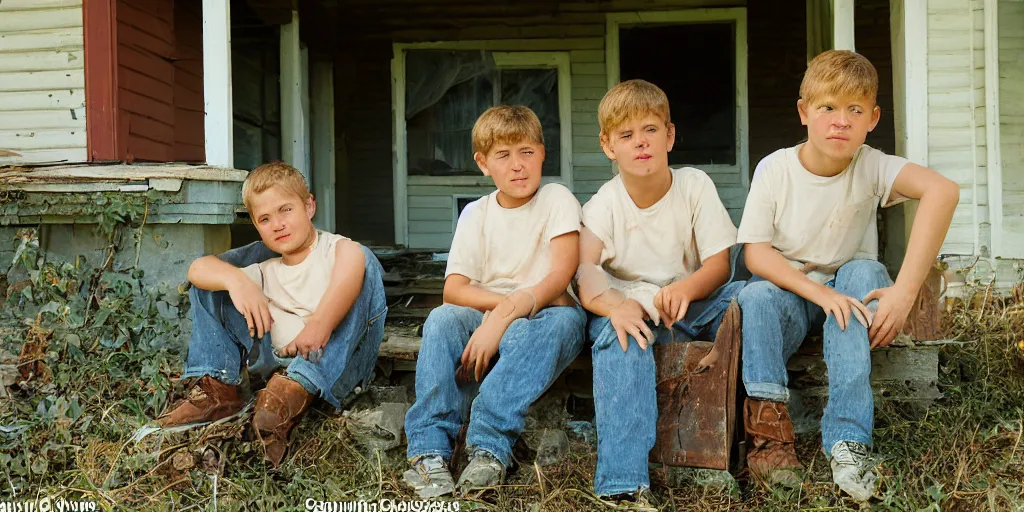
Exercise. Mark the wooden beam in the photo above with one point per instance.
(842, 25)
(217, 96)
(100, 21)
(993, 139)
(322, 114)
(294, 117)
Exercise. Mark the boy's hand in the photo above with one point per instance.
(894, 304)
(482, 346)
(309, 343)
(672, 301)
(248, 299)
(628, 318)
(843, 307)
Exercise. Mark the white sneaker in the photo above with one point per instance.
(851, 471)
(484, 471)
(430, 477)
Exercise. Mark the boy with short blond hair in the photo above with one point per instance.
(316, 312)
(506, 294)
(655, 264)
(810, 235)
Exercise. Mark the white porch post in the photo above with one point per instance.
(294, 112)
(909, 38)
(842, 25)
(322, 134)
(218, 126)
(993, 138)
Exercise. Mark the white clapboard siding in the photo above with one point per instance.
(1011, 123)
(42, 81)
(955, 132)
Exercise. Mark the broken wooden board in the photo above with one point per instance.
(696, 388)
(15, 176)
(906, 375)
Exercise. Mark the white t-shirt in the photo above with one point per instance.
(505, 249)
(295, 291)
(819, 223)
(647, 249)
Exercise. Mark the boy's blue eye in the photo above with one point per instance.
(627, 135)
(652, 129)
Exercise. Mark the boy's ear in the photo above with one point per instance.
(671, 134)
(801, 107)
(876, 115)
(607, 147)
(481, 162)
(310, 207)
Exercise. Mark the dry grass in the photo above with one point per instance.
(965, 453)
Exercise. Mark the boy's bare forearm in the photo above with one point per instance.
(212, 273)
(763, 260)
(931, 223)
(345, 286)
(459, 291)
(708, 278)
(565, 260)
(603, 304)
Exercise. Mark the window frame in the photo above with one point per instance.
(737, 16)
(504, 59)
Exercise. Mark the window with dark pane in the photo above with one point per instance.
(695, 65)
(537, 89)
(445, 93)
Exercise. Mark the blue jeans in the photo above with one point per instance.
(531, 355)
(625, 399)
(221, 342)
(775, 323)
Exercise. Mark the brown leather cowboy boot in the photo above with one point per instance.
(772, 455)
(208, 400)
(279, 406)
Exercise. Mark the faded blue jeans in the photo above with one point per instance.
(531, 355)
(625, 398)
(775, 323)
(221, 342)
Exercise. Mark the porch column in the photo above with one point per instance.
(217, 83)
(842, 25)
(908, 22)
(993, 138)
(294, 99)
(322, 114)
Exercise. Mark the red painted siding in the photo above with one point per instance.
(159, 80)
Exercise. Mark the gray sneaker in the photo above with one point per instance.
(483, 471)
(429, 476)
(851, 470)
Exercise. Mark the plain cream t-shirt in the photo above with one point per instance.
(820, 223)
(505, 249)
(647, 249)
(294, 291)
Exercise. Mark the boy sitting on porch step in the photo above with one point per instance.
(316, 311)
(506, 295)
(809, 230)
(654, 267)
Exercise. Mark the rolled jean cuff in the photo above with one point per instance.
(767, 391)
(312, 388)
(217, 373)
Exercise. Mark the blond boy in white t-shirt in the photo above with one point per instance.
(506, 294)
(304, 301)
(810, 235)
(654, 266)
